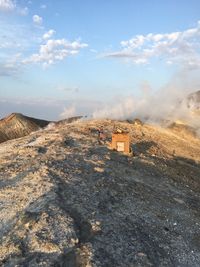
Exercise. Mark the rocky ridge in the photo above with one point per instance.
(67, 200)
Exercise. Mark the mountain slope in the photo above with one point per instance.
(17, 125)
(67, 201)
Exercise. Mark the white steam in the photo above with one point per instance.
(168, 104)
(68, 112)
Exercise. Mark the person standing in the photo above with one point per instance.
(101, 135)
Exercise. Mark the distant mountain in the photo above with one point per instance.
(17, 125)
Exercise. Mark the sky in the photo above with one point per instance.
(72, 57)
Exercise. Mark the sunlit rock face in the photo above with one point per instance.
(67, 200)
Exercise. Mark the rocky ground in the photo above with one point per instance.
(67, 200)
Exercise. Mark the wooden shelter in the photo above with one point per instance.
(121, 142)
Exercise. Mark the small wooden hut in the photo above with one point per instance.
(121, 142)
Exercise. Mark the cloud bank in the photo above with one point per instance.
(19, 48)
(10, 6)
(7, 5)
(54, 50)
(181, 47)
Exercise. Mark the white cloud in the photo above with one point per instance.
(67, 89)
(48, 34)
(15, 37)
(11, 5)
(34, 48)
(43, 6)
(10, 67)
(55, 50)
(175, 47)
(37, 20)
(23, 11)
(7, 5)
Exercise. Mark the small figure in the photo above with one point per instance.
(101, 135)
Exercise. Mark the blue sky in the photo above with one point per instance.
(69, 57)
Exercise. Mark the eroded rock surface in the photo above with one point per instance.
(17, 125)
(65, 200)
